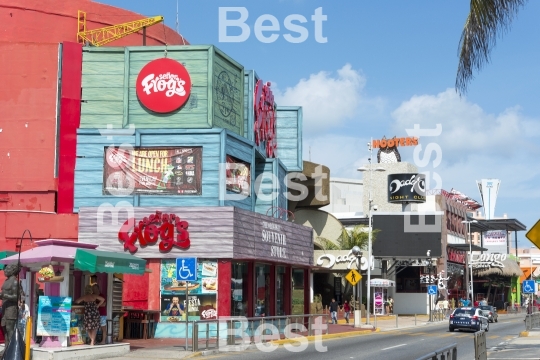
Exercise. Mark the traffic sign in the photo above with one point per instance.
(353, 277)
(534, 234)
(528, 287)
(186, 269)
(432, 289)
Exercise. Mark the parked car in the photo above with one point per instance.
(490, 312)
(468, 318)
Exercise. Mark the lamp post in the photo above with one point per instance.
(358, 309)
(370, 230)
(468, 222)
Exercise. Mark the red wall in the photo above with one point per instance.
(55, 21)
(29, 46)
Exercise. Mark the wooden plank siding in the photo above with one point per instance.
(215, 232)
(228, 92)
(289, 137)
(216, 143)
(250, 79)
(266, 196)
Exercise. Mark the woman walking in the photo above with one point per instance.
(91, 314)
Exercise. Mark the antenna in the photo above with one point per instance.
(177, 17)
(310, 153)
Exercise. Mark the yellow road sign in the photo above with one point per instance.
(534, 234)
(353, 277)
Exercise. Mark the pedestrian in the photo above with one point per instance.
(102, 314)
(391, 301)
(91, 313)
(445, 307)
(333, 310)
(24, 314)
(346, 310)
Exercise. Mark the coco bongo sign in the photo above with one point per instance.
(264, 127)
(163, 85)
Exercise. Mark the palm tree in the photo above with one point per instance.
(357, 236)
(487, 18)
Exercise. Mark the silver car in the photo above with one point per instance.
(468, 318)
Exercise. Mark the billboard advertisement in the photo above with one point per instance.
(238, 175)
(152, 171)
(495, 237)
(202, 293)
(395, 239)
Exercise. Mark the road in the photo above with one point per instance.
(396, 344)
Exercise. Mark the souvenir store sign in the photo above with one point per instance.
(54, 316)
(152, 171)
(202, 293)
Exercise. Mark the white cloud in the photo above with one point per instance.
(328, 100)
(466, 127)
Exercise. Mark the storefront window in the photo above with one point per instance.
(239, 284)
(262, 290)
(201, 298)
(280, 281)
(298, 291)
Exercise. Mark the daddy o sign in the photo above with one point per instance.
(406, 188)
(163, 85)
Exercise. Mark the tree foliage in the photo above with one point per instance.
(486, 21)
(357, 236)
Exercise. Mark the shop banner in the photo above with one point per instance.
(495, 237)
(152, 171)
(202, 294)
(54, 316)
(238, 176)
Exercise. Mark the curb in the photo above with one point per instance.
(326, 336)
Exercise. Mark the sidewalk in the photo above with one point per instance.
(157, 349)
(525, 347)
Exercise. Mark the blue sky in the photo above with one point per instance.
(386, 66)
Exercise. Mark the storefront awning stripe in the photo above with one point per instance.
(95, 261)
(5, 254)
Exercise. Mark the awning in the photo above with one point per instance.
(382, 283)
(95, 261)
(5, 254)
(465, 247)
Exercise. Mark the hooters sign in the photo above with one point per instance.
(265, 118)
(163, 85)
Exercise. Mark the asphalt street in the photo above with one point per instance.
(396, 344)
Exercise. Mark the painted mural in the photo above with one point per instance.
(201, 301)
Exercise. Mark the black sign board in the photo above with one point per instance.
(406, 188)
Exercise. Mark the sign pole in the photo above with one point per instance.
(186, 312)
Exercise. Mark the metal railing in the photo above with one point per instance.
(480, 348)
(438, 315)
(532, 321)
(211, 334)
(446, 353)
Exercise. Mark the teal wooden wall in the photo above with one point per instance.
(270, 205)
(215, 142)
(228, 92)
(289, 137)
(109, 95)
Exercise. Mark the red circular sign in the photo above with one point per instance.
(163, 85)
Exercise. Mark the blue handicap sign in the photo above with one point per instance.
(528, 287)
(186, 269)
(432, 290)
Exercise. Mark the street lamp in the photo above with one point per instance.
(468, 222)
(358, 309)
(370, 205)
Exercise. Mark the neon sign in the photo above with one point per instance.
(264, 127)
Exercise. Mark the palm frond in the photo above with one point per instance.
(486, 21)
(327, 244)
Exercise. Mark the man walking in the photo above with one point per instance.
(333, 311)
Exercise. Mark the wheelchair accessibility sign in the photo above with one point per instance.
(432, 290)
(528, 287)
(186, 269)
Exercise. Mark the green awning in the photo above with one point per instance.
(95, 261)
(5, 254)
